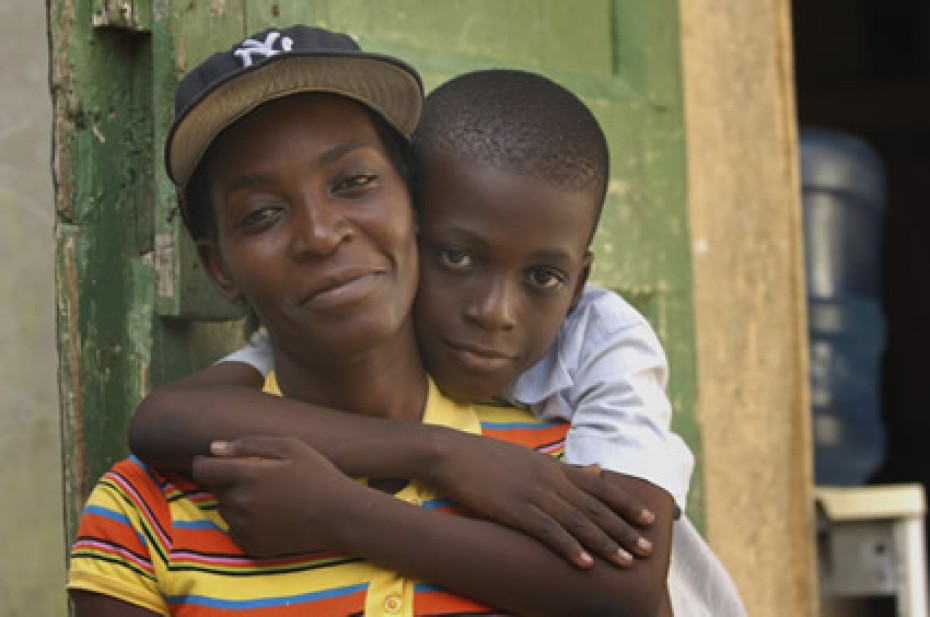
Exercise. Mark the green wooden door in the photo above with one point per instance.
(135, 310)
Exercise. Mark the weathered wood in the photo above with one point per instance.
(102, 152)
(183, 34)
(750, 300)
(134, 15)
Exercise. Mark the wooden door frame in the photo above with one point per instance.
(750, 299)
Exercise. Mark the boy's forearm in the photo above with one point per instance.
(500, 566)
(178, 422)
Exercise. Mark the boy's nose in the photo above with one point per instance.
(494, 308)
(319, 227)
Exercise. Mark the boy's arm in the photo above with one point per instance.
(621, 415)
(280, 483)
(176, 422)
(562, 506)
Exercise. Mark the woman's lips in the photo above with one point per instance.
(343, 289)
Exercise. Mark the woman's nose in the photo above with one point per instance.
(319, 227)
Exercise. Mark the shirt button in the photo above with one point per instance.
(393, 603)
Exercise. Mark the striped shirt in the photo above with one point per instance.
(157, 541)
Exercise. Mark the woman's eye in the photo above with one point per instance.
(260, 216)
(355, 182)
(545, 278)
(455, 259)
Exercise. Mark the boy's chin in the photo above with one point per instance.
(467, 393)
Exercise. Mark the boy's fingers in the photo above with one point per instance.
(622, 537)
(594, 481)
(219, 472)
(221, 448)
(212, 472)
(612, 543)
(613, 516)
(554, 535)
(258, 446)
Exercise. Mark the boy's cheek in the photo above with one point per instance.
(435, 285)
(426, 307)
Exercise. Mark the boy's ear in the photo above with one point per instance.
(582, 278)
(213, 262)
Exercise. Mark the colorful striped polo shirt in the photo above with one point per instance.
(157, 541)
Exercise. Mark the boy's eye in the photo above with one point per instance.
(545, 279)
(354, 182)
(455, 259)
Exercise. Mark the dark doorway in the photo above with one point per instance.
(863, 67)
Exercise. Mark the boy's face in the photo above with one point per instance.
(503, 257)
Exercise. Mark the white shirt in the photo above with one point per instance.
(606, 375)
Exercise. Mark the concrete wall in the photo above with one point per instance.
(750, 313)
(31, 530)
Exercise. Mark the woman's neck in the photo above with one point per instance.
(387, 381)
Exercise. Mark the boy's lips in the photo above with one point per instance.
(480, 359)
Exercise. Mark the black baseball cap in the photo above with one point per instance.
(276, 63)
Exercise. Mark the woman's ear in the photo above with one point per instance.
(582, 278)
(213, 262)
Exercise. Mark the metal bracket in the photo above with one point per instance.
(134, 15)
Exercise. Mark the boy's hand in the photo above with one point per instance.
(277, 494)
(575, 511)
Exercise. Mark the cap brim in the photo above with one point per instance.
(383, 84)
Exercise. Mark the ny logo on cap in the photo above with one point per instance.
(273, 45)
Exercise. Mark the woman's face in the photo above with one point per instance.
(314, 227)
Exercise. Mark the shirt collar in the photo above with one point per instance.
(541, 381)
(440, 410)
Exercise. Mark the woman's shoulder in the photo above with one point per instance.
(132, 483)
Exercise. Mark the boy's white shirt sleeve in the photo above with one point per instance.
(256, 353)
(698, 584)
(607, 375)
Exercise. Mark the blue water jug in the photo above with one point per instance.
(843, 202)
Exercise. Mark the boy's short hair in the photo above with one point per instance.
(517, 121)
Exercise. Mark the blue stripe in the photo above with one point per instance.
(110, 514)
(435, 504)
(148, 471)
(118, 517)
(203, 524)
(304, 598)
(505, 426)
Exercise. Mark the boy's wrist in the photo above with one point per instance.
(441, 445)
